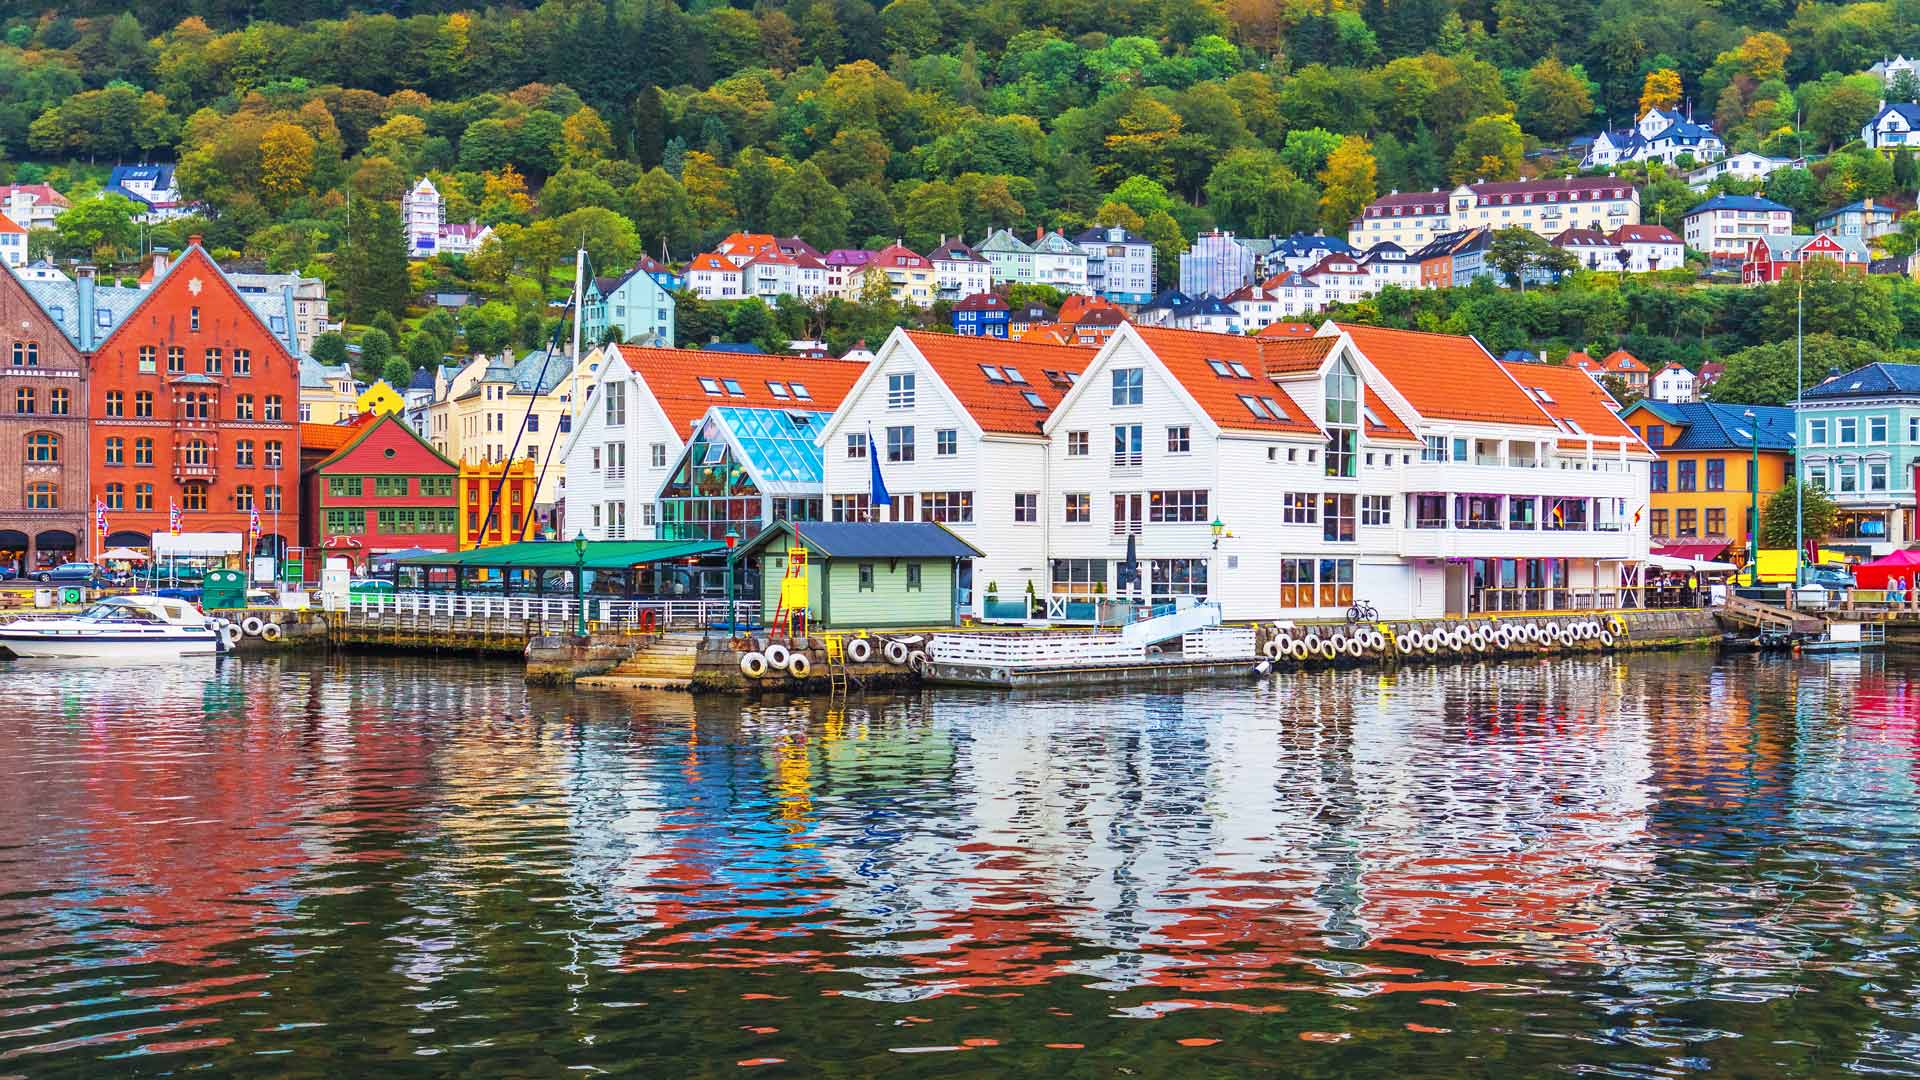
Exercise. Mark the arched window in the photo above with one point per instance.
(193, 497)
(116, 450)
(196, 453)
(43, 448)
(43, 495)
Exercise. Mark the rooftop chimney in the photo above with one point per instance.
(83, 310)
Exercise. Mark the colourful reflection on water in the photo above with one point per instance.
(1661, 865)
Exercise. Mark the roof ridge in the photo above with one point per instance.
(997, 343)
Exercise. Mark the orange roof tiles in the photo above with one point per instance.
(1184, 353)
(1446, 376)
(1622, 360)
(1383, 422)
(709, 261)
(1002, 406)
(1077, 306)
(1044, 334)
(1287, 329)
(673, 376)
(1293, 356)
(331, 437)
(1570, 394)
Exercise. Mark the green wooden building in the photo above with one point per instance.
(865, 574)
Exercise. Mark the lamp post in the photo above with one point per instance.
(733, 538)
(1753, 515)
(1219, 527)
(580, 584)
(1799, 386)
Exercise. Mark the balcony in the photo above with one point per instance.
(183, 472)
(1607, 541)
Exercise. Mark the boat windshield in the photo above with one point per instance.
(117, 613)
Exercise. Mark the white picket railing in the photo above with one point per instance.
(1082, 650)
(604, 610)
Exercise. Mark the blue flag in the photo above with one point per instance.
(877, 486)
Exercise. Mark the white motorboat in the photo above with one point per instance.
(117, 628)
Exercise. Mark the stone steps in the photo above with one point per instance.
(665, 663)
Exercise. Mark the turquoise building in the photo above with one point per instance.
(1859, 438)
(635, 303)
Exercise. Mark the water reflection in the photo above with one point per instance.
(1660, 864)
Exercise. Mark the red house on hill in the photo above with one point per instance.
(386, 489)
(192, 404)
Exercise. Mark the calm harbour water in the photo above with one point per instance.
(365, 866)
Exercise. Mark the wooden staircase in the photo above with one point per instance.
(663, 663)
(1758, 616)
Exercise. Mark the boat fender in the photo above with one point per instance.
(1502, 638)
(1264, 667)
(917, 660)
(778, 656)
(859, 650)
(1273, 649)
(798, 665)
(1327, 650)
(1563, 634)
(896, 652)
(1408, 642)
(1298, 649)
(1606, 639)
(271, 632)
(229, 633)
(753, 665)
(251, 625)
(1619, 626)
(1313, 642)
(1355, 648)
(1379, 641)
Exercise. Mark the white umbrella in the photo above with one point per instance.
(122, 554)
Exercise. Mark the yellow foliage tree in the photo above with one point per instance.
(286, 160)
(1660, 91)
(587, 137)
(506, 191)
(1348, 182)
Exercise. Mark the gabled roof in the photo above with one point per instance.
(1783, 248)
(954, 250)
(7, 225)
(901, 256)
(62, 298)
(1884, 206)
(848, 257)
(1576, 404)
(362, 427)
(42, 192)
(1644, 234)
(1287, 330)
(1907, 111)
(673, 378)
(1874, 380)
(1383, 422)
(984, 301)
(1706, 425)
(707, 260)
(332, 437)
(1582, 237)
(1077, 305)
(778, 447)
(1737, 202)
(1622, 360)
(1445, 376)
(1293, 355)
(1109, 234)
(1186, 355)
(1000, 406)
(870, 539)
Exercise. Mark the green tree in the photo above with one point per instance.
(1253, 192)
(376, 348)
(1348, 183)
(1168, 241)
(371, 264)
(1306, 152)
(329, 348)
(397, 373)
(807, 205)
(102, 227)
(422, 349)
(1554, 100)
(1764, 374)
(1489, 148)
(1816, 515)
(1838, 302)
(488, 328)
(1517, 250)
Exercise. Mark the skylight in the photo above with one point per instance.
(777, 390)
(733, 387)
(1033, 399)
(992, 373)
(1219, 368)
(1239, 369)
(1254, 407)
(1014, 376)
(710, 386)
(800, 391)
(1274, 407)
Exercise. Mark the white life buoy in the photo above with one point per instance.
(753, 665)
(1298, 650)
(859, 650)
(1563, 634)
(896, 652)
(798, 665)
(271, 632)
(778, 656)
(229, 633)
(1313, 641)
(1272, 650)
(251, 625)
(1408, 642)
(1356, 646)
(1502, 638)
(1606, 639)
(1286, 643)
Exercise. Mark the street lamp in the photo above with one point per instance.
(1219, 527)
(1753, 515)
(580, 584)
(733, 538)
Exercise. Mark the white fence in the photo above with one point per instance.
(1082, 650)
(601, 610)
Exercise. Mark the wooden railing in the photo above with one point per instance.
(1053, 650)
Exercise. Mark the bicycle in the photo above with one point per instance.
(1362, 612)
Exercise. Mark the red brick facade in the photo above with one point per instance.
(194, 403)
(45, 507)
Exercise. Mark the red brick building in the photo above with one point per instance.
(45, 511)
(194, 403)
(385, 490)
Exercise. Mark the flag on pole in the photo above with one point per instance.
(100, 521)
(877, 495)
(253, 527)
(173, 517)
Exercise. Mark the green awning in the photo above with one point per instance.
(559, 554)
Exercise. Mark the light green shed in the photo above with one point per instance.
(865, 574)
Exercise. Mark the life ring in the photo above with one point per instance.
(1435, 641)
(251, 625)
(1298, 650)
(1408, 642)
(896, 652)
(798, 665)
(859, 650)
(271, 632)
(1286, 642)
(229, 633)
(753, 665)
(1327, 650)
(1272, 649)
(1606, 639)
(778, 656)
(649, 620)
(1563, 634)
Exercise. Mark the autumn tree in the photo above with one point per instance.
(286, 161)
(1554, 100)
(1661, 90)
(1348, 183)
(1489, 148)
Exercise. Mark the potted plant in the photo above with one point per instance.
(1033, 599)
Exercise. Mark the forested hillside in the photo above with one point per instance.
(643, 123)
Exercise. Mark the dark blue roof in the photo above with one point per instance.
(872, 540)
(1874, 380)
(1706, 425)
(733, 347)
(1735, 202)
(1169, 298)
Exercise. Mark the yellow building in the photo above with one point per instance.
(379, 399)
(1703, 485)
(478, 413)
(328, 395)
(492, 513)
(911, 278)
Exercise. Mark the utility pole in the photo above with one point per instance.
(1799, 387)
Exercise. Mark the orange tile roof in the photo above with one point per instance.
(1390, 425)
(1288, 329)
(331, 437)
(1076, 307)
(673, 376)
(1446, 376)
(1185, 353)
(1574, 396)
(1622, 360)
(1001, 406)
(1293, 356)
(709, 261)
(1043, 334)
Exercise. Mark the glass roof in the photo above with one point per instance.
(778, 446)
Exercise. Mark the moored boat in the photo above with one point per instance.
(118, 628)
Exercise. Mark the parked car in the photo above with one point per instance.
(8, 573)
(82, 572)
(1830, 575)
(370, 585)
